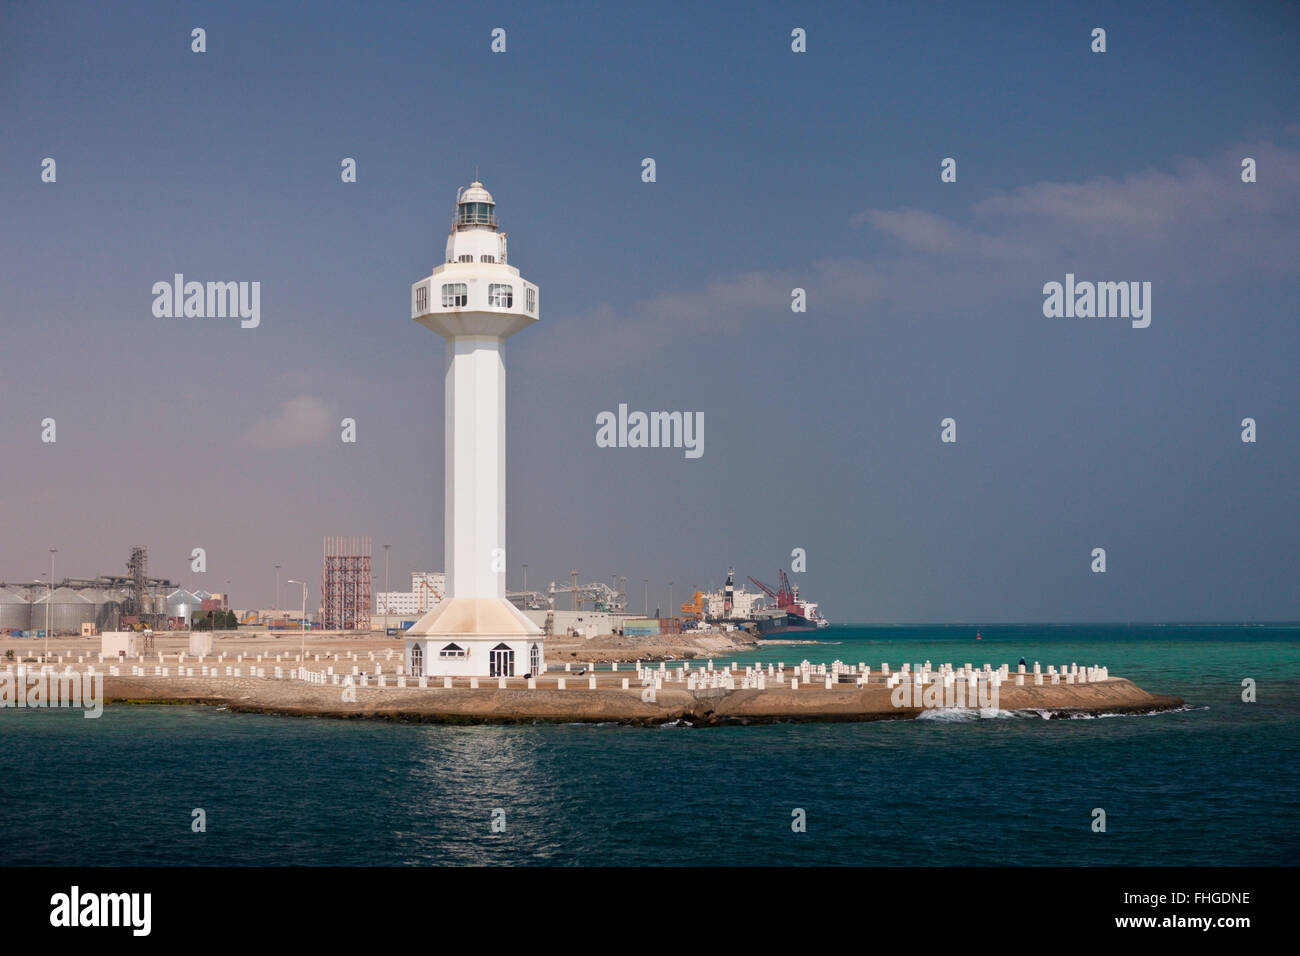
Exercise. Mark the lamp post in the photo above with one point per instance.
(49, 600)
(277, 587)
(303, 629)
(526, 601)
(386, 589)
(670, 598)
(646, 581)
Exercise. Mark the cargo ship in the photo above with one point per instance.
(734, 606)
(790, 615)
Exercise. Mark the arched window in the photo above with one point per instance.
(417, 661)
(501, 663)
(455, 295)
(501, 295)
(487, 258)
(465, 258)
(535, 659)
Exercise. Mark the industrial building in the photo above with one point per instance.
(427, 589)
(106, 602)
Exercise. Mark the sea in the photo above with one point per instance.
(1214, 783)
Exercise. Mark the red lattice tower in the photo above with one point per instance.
(345, 584)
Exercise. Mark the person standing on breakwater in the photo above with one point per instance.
(1022, 662)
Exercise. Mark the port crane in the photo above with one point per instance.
(602, 596)
(785, 596)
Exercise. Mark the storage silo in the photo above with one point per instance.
(109, 614)
(68, 610)
(108, 606)
(182, 603)
(15, 611)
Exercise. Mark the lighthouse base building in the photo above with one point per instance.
(475, 300)
(474, 637)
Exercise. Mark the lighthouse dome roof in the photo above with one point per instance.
(475, 193)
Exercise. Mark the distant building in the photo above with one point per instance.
(581, 623)
(427, 589)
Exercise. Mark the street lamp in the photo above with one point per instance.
(670, 598)
(49, 599)
(646, 581)
(277, 587)
(526, 602)
(386, 547)
(303, 631)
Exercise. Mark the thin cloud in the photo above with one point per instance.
(1199, 222)
(1196, 224)
(298, 422)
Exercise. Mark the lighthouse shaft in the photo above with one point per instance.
(475, 505)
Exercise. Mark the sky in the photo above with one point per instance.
(774, 170)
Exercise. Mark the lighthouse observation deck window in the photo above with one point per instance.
(477, 214)
(530, 300)
(455, 295)
(501, 295)
(422, 298)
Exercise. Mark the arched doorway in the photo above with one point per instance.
(502, 661)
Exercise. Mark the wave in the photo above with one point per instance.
(1049, 714)
(952, 714)
(957, 714)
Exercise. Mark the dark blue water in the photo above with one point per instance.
(1214, 784)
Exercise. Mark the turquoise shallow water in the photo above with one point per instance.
(1217, 783)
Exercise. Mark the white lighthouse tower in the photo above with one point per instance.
(475, 300)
